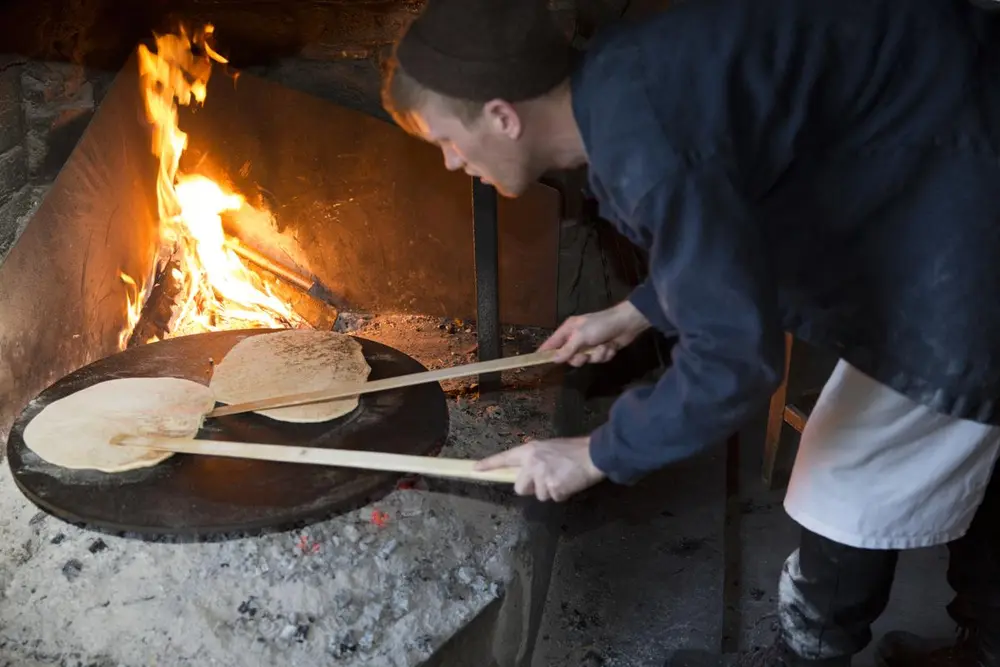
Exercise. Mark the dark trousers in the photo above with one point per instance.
(830, 594)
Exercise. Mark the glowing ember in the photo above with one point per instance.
(217, 291)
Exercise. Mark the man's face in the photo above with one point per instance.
(492, 147)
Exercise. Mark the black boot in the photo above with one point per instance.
(904, 649)
(829, 595)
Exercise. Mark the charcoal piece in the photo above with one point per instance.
(97, 546)
(58, 539)
(343, 646)
(72, 569)
(248, 607)
(160, 304)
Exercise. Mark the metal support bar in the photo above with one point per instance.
(486, 239)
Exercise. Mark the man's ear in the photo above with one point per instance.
(503, 118)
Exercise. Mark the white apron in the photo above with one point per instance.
(876, 470)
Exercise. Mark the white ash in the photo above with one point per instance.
(347, 591)
(385, 585)
(346, 588)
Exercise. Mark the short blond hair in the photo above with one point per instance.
(402, 94)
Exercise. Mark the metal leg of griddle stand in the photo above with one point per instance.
(486, 240)
(545, 520)
(520, 615)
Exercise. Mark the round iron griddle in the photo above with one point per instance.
(188, 494)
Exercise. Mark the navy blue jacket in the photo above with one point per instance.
(824, 167)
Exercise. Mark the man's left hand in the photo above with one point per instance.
(549, 469)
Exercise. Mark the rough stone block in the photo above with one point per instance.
(51, 137)
(59, 101)
(11, 124)
(13, 173)
(49, 87)
(15, 214)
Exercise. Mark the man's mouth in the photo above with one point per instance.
(473, 174)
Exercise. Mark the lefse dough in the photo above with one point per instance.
(291, 362)
(76, 431)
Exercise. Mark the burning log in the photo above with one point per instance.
(154, 323)
(158, 316)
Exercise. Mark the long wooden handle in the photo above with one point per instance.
(348, 390)
(265, 262)
(344, 458)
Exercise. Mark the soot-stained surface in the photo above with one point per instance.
(639, 571)
(381, 585)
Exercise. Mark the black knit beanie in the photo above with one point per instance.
(486, 49)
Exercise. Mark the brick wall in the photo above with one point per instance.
(58, 100)
(15, 197)
(13, 157)
(44, 108)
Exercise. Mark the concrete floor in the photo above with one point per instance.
(767, 535)
(642, 572)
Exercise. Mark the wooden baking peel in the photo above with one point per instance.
(349, 390)
(430, 466)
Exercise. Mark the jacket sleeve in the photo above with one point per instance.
(711, 279)
(646, 301)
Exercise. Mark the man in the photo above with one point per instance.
(825, 167)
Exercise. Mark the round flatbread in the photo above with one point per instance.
(76, 431)
(291, 362)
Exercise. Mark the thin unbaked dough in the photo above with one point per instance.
(76, 431)
(291, 362)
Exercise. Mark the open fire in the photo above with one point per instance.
(216, 290)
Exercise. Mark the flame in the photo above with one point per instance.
(217, 291)
(133, 310)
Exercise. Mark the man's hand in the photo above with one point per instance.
(597, 337)
(550, 469)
